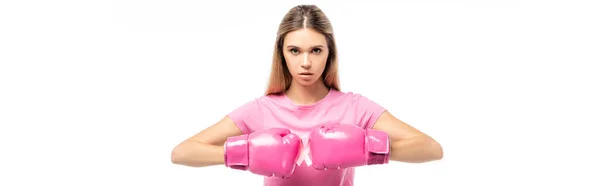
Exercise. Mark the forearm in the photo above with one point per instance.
(197, 154)
(416, 150)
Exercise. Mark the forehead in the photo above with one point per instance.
(304, 38)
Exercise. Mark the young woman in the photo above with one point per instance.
(304, 130)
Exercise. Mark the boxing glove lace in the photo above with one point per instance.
(269, 152)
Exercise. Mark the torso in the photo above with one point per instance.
(337, 107)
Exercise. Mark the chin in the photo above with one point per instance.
(306, 83)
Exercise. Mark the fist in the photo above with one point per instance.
(269, 152)
(338, 146)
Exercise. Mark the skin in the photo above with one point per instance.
(305, 51)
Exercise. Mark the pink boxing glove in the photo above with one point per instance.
(269, 152)
(342, 146)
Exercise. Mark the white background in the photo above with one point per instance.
(99, 92)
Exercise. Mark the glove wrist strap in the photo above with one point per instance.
(236, 152)
(378, 146)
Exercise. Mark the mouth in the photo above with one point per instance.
(306, 73)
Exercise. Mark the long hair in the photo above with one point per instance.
(299, 17)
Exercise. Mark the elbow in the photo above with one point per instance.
(178, 155)
(437, 152)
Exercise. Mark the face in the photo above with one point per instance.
(305, 52)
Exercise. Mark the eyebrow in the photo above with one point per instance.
(316, 46)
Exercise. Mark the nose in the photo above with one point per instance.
(306, 62)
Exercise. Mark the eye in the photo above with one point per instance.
(316, 50)
(294, 51)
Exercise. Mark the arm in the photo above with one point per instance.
(407, 143)
(206, 147)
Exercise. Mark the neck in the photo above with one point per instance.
(304, 95)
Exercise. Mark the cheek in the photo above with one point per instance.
(322, 62)
(291, 62)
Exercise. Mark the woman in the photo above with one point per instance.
(270, 136)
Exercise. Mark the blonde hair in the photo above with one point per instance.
(299, 17)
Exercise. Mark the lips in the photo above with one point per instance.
(306, 73)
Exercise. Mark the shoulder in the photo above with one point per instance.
(260, 103)
(250, 107)
(248, 116)
(351, 97)
(360, 101)
(366, 110)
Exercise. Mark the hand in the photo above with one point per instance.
(338, 146)
(269, 152)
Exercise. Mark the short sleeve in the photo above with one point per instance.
(246, 117)
(369, 112)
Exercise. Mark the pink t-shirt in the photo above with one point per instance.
(279, 111)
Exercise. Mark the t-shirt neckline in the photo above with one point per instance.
(324, 99)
